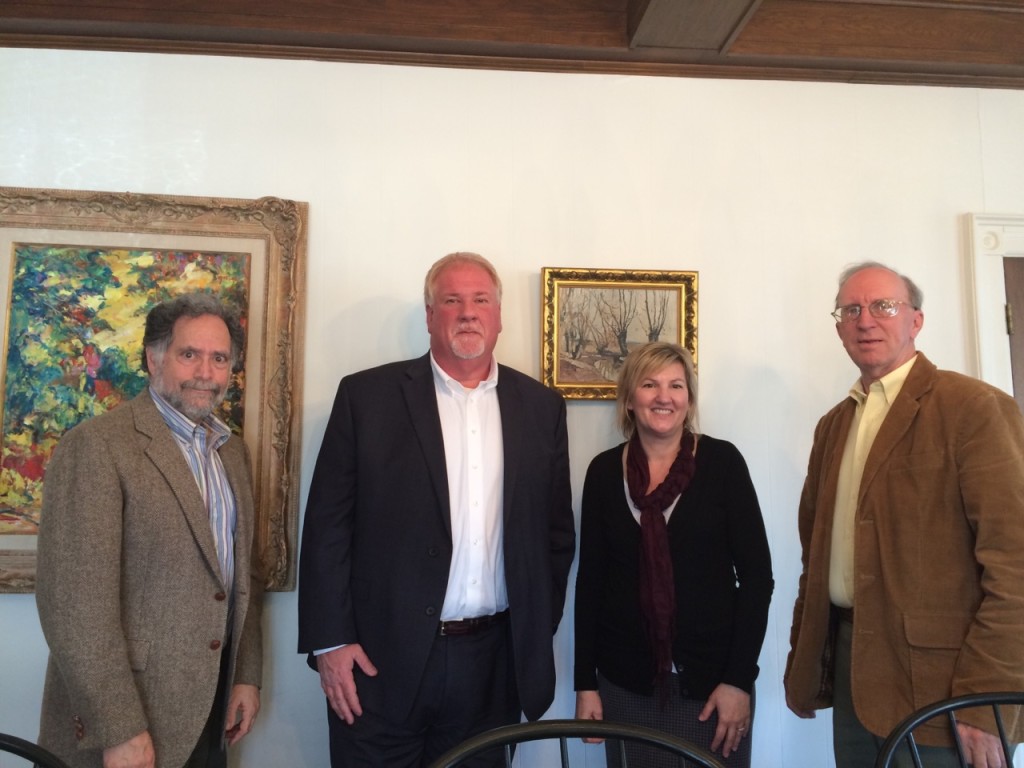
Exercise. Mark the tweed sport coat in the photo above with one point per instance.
(129, 592)
(938, 563)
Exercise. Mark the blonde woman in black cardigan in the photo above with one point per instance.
(675, 575)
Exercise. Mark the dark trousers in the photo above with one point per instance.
(678, 717)
(854, 745)
(209, 751)
(468, 687)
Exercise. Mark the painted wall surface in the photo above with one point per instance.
(766, 188)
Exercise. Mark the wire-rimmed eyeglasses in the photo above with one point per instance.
(879, 308)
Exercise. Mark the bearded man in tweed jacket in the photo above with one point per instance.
(147, 591)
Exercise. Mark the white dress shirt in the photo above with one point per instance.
(474, 457)
(475, 462)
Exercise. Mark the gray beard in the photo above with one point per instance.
(193, 412)
(469, 351)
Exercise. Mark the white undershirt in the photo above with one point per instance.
(636, 510)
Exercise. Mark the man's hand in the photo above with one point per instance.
(981, 748)
(137, 752)
(733, 706)
(339, 683)
(243, 704)
(589, 707)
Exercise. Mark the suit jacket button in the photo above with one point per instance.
(214, 645)
(79, 727)
(220, 596)
(431, 610)
(432, 551)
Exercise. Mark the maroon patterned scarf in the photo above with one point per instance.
(657, 584)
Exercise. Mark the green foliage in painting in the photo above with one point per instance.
(74, 345)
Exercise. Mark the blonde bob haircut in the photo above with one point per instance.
(461, 257)
(645, 361)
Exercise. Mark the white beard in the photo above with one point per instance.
(467, 347)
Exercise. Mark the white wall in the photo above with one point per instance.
(767, 189)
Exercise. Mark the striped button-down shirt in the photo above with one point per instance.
(199, 444)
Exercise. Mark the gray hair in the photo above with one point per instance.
(460, 257)
(161, 319)
(913, 292)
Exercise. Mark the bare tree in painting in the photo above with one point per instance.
(617, 308)
(599, 331)
(655, 313)
(573, 320)
(566, 298)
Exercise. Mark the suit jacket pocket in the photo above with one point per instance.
(934, 641)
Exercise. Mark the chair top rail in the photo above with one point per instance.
(904, 730)
(966, 701)
(541, 730)
(43, 758)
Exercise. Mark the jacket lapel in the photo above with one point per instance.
(899, 420)
(421, 400)
(512, 407)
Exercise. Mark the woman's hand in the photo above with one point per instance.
(733, 706)
(588, 707)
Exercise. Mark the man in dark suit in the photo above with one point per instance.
(147, 594)
(438, 538)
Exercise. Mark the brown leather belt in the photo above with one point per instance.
(470, 626)
(845, 614)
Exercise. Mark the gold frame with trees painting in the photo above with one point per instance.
(591, 318)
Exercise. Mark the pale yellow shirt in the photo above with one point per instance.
(872, 408)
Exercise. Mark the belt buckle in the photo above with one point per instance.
(451, 628)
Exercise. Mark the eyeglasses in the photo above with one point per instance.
(879, 308)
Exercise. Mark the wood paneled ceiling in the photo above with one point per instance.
(936, 42)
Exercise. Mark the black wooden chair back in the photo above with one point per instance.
(903, 733)
(509, 736)
(43, 758)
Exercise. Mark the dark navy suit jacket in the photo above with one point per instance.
(377, 543)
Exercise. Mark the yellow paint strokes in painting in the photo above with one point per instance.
(196, 277)
(122, 306)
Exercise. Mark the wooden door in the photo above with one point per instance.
(1013, 276)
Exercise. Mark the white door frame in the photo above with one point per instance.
(990, 238)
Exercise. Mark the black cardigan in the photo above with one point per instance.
(722, 568)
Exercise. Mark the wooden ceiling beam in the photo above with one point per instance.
(876, 31)
(694, 25)
(597, 23)
(936, 42)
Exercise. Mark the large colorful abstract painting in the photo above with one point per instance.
(74, 340)
(79, 271)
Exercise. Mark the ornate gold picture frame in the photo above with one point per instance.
(591, 318)
(271, 235)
